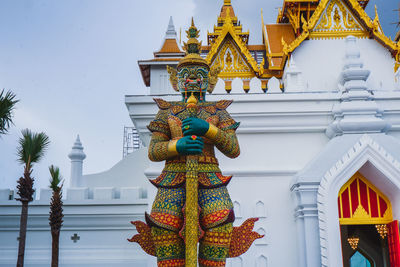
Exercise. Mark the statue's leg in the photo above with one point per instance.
(216, 219)
(214, 246)
(166, 220)
(170, 248)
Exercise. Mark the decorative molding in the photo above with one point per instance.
(262, 261)
(260, 211)
(237, 208)
(357, 112)
(261, 241)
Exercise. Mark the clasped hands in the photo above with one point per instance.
(192, 143)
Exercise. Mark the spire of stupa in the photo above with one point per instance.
(170, 33)
(170, 46)
(77, 156)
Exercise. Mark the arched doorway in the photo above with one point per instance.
(369, 236)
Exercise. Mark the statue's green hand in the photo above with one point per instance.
(190, 145)
(195, 126)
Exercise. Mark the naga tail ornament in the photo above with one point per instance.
(242, 238)
(144, 238)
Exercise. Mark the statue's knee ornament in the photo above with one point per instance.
(214, 246)
(169, 247)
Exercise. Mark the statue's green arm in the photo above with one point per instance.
(224, 135)
(161, 146)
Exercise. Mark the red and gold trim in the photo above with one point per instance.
(164, 220)
(171, 263)
(360, 202)
(210, 263)
(217, 218)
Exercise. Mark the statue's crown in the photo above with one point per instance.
(193, 72)
(192, 48)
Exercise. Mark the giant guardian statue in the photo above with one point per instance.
(192, 215)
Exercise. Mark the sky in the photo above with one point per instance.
(71, 63)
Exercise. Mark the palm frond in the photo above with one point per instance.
(7, 104)
(55, 179)
(32, 147)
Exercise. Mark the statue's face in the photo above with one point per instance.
(193, 79)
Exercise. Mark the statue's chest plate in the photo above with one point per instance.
(175, 121)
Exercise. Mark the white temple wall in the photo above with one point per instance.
(159, 80)
(275, 151)
(102, 227)
(266, 197)
(321, 62)
(128, 172)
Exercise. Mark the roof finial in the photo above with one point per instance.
(192, 45)
(227, 3)
(77, 156)
(170, 33)
(262, 17)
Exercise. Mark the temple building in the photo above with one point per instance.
(318, 105)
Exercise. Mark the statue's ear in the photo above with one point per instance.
(172, 77)
(213, 78)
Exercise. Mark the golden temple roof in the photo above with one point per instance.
(298, 20)
(274, 34)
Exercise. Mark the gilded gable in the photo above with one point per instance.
(337, 20)
(231, 62)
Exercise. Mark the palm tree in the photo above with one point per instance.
(31, 149)
(56, 213)
(7, 103)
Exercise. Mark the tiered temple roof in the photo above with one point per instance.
(170, 46)
(298, 20)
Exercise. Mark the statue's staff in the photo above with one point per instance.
(191, 210)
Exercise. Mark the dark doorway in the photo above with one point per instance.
(371, 250)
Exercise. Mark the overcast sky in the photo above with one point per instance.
(72, 62)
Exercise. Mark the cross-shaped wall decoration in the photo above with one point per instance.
(75, 237)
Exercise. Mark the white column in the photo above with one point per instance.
(306, 216)
(77, 156)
